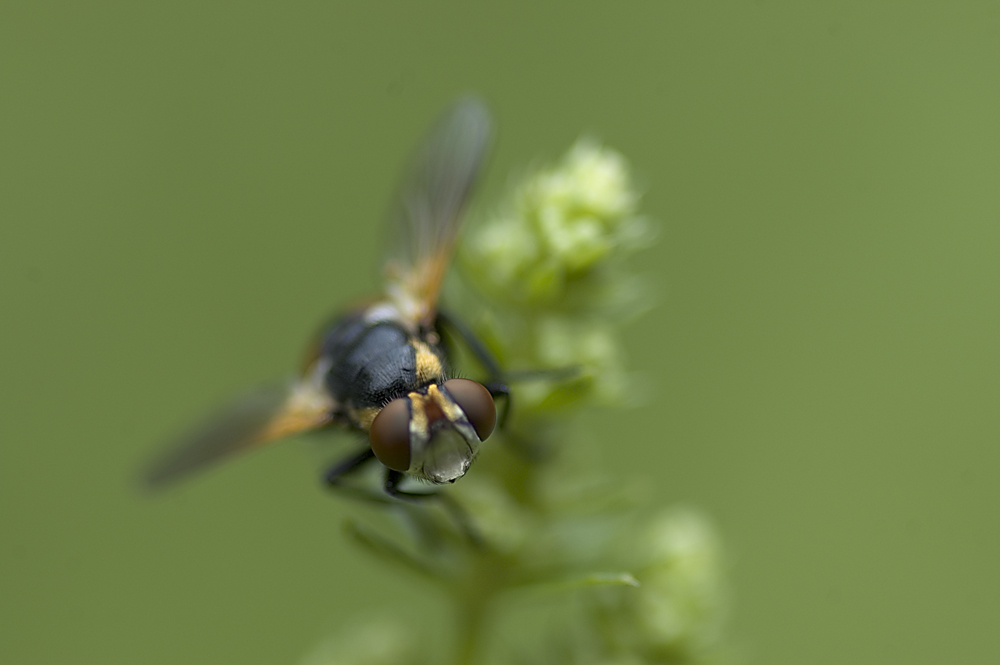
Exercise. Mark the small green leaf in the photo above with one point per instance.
(586, 581)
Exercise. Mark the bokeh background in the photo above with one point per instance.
(187, 189)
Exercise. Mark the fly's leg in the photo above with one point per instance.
(393, 481)
(348, 466)
(498, 390)
(479, 350)
(334, 478)
(496, 387)
(498, 378)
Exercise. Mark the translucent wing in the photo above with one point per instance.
(429, 210)
(263, 416)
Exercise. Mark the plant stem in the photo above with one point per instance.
(472, 610)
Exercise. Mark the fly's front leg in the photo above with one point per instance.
(479, 350)
(334, 478)
(393, 481)
(498, 380)
(495, 384)
(498, 390)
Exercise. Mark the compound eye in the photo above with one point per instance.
(390, 435)
(477, 403)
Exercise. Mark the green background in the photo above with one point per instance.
(187, 189)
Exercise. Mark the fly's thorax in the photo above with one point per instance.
(430, 364)
(426, 343)
(376, 355)
(361, 417)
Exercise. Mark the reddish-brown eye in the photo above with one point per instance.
(477, 403)
(390, 435)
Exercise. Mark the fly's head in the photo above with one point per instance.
(436, 434)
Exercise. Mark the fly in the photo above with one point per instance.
(382, 369)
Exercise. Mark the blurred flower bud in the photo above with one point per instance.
(562, 224)
(677, 613)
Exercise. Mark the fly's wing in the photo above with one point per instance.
(429, 210)
(257, 418)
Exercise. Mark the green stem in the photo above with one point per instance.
(472, 610)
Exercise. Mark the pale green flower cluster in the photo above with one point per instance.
(562, 225)
(676, 614)
(554, 263)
